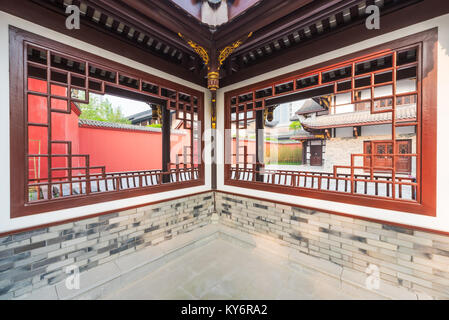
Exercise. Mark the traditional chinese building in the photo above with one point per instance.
(224, 149)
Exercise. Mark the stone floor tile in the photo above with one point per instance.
(223, 270)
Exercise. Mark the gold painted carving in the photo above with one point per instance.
(199, 50)
(213, 76)
(227, 51)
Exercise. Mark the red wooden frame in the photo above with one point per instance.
(426, 147)
(19, 40)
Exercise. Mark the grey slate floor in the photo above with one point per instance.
(222, 270)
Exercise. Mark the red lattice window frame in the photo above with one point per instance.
(240, 100)
(185, 102)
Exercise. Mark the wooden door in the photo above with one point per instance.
(316, 155)
(382, 159)
(404, 164)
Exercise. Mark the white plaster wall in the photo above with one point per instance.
(344, 132)
(7, 224)
(441, 222)
(377, 130)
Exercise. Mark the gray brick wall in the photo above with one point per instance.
(34, 259)
(412, 259)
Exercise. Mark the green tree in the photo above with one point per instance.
(295, 125)
(102, 110)
(155, 125)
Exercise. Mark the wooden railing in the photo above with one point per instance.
(101, 182)
(378, 185)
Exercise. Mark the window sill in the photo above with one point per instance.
(355, 199)
(78, 201)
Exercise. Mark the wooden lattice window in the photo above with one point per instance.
(53, 170)
(383, 92)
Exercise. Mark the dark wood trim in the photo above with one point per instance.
(116, 66)
(265, 14)
(260, 143)
(307, 16)
(158, 22)
(213, 144)
(349, 35)
(17, 128)
(166, 14)
(428, 86)
(346, 59)
(295, 20)
(35, 13)
(166, 143)
(17, 123)
(268, 20)
(443, 233)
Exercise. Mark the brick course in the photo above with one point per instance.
(31, 260)
(415, 260)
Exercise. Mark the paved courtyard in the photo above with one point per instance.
(222, 270)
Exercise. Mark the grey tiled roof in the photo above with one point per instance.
(302, 134)
(309, 106)
(407, 112)
(101, 124)
(143, 114)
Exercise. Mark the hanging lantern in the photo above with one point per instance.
(269, 114)
(214, 122)
(213, 80)
(156, 114)
(159, 114)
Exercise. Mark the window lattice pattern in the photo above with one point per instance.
(56, 84)
(381, 88)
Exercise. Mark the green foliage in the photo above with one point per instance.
(295, 125)
(102, 110)
(155, 125)
(286, 156)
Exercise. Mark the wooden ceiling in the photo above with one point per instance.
(193, 7)
(151, 27)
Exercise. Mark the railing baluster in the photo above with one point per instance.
(388, 188)
(376, 186)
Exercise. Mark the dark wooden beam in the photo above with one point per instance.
(214, 138)
(260, 143)
(256, 18)
(167, 15)
(161, 20)
(119, 12)
(304, 17)
(166, 124)
(347, 35)
(52, 19)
